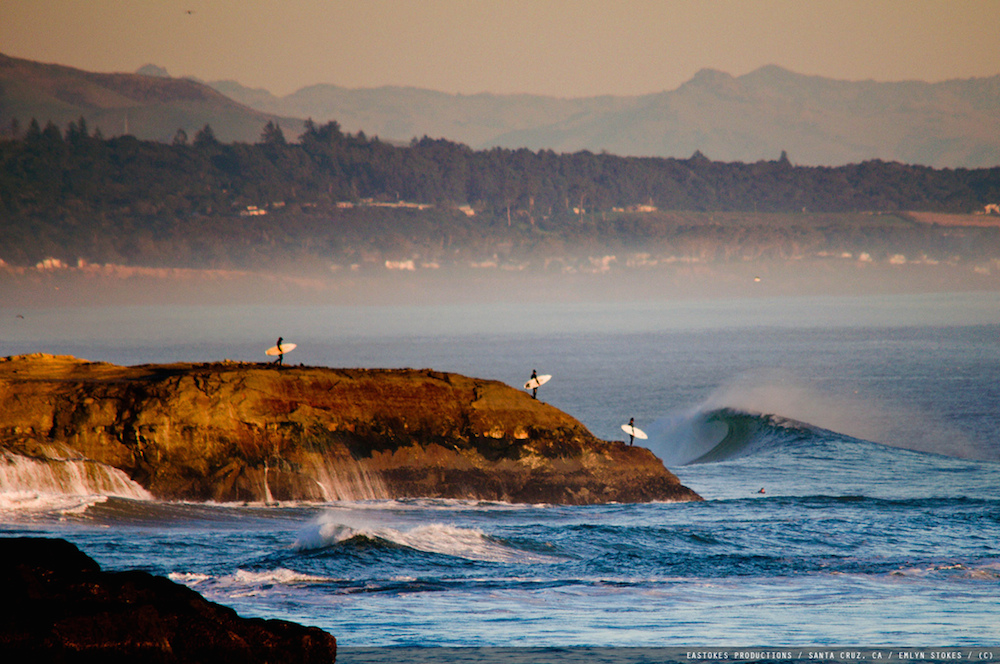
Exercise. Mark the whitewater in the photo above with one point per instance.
(846, 448)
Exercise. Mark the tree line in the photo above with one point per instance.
(46, 171)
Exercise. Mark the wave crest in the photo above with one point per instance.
(437, 538)
(706, 436)
(741, 417)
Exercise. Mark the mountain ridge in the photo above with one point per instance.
(817, 120)
(146, 106)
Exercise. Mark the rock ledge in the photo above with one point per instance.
(230, 431)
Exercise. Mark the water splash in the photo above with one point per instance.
(347, 480)
(22, 476)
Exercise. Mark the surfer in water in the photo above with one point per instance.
(631, 433)
(281, 355)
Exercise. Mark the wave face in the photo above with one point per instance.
(763, 412)
(728, 433)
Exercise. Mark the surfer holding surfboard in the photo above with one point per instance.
(633, 432)
(535, 381)
(279, 349)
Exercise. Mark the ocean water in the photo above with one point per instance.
(871, 425)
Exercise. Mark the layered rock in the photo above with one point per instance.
(60, 607)
(238, 431)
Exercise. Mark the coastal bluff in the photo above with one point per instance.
(234, 431)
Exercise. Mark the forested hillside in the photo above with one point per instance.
(49, 170)
(340, 196)
(150, 107)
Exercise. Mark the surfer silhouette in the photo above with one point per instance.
(761, 490)
(534, 390)
(631, 433)
(281, 355)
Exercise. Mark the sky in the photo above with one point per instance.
(563, 48)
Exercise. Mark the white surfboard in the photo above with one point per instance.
(275, 350)
(535, 382)
(634, 431)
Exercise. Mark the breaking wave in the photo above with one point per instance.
(727, 433)
(436, 538)
(759, 412)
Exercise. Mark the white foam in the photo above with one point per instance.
(279, 576)
(53, 476)
(246, 583)
(34, 502)
(468, 543)
(432, 504)
(985, 572)
(189, 578)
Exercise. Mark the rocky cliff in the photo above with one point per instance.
(238, 431)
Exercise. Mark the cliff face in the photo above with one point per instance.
(232, 431)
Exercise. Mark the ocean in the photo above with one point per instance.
(847, 450)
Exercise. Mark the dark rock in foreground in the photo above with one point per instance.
(230, 431)
(60, 607)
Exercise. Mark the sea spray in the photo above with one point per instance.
(854, 413)
(343, 478)
(59, 476)
(791, 402)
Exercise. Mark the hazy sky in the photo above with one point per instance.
(567, 48)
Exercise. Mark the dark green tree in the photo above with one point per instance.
(205, 137)
(272, 134)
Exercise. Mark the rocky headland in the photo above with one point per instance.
(229, 431)
(59, 606)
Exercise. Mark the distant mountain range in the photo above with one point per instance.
(816, 120)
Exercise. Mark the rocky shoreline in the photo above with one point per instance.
(60, 606)
(229, 431)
